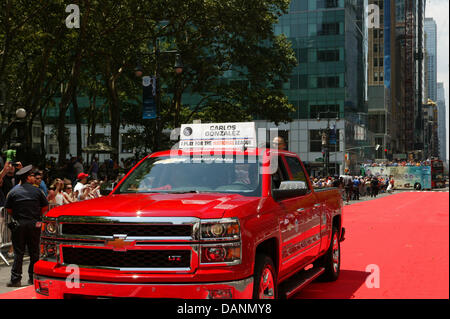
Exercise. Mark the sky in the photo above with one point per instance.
(438, 10)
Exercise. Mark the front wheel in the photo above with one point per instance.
(265, 278)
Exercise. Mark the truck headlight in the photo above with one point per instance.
(49, 227)
(226, 253)
(220, 229)
(49, 251)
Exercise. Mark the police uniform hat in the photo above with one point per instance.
(25, 171)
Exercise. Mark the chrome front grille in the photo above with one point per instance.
(180, 229)
(106, 258)
(131, 230)
(156, 244)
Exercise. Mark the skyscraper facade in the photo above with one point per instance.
(431, 58)
(442, 119)
(381, 78)
(409, 68)
(328, 87)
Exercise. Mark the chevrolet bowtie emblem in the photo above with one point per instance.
(119, 243)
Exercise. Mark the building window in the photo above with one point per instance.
(377, 123)
(326, 4)
(327, 55)
(328, 82)
(375, 62)
(36, 131)
(127, 143)
(328, 29)
(375, 76)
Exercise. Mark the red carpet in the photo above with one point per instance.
(26, 292)
(406, 235)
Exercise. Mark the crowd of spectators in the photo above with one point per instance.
(74, 181)
(70, 182)
(355, 187)
(106, 171)
(399, 163)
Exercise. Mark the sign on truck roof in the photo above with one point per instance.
(218, 135)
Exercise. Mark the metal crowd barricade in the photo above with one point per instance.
(5, 232)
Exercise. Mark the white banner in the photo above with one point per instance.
(218, 135)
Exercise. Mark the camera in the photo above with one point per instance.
(10, 155)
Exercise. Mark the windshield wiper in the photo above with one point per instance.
(184, 192)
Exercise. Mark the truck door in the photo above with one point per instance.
(307, 215)
(297, 222)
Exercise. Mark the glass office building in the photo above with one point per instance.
(329, 86)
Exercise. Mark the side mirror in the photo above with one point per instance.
(290, 189)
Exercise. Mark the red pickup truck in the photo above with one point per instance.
(187, 224)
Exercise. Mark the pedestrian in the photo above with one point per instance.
(348, 184)
(374, 186)
(26, 204)
(5, 170)
(39, 182)
(362, 186)
(356, 188)
(58, 184)
(336, 182)
(68, 193)
(78, 189)
(78, 166)
(93, 170)
(390, 187)
(279, 143)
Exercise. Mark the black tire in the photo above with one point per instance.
(332, 265)
(417, 186)
(264, 265)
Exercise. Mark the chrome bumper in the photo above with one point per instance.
(58, 288)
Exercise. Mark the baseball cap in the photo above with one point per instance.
(82, 175)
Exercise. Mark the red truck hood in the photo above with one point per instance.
(203, 205)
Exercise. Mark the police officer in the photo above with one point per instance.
(26, 204)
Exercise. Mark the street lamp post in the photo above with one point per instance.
(326, 141)
(178, 67)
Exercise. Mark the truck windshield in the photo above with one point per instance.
(184, 174)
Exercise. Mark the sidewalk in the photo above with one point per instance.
(397, 191)
(5, 274)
